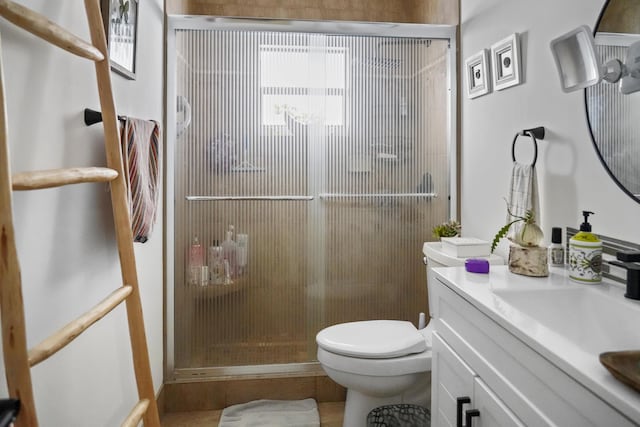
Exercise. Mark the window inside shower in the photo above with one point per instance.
(329, 159)
(286, 89)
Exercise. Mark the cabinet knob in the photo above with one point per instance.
(460, 402)
(468, 416)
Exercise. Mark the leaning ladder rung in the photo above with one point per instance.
(40, 26)
(36, 180)
(73, 329)
(136, 414)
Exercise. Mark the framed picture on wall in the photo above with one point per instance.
(121, 26)
(505, 62)
(476, 70)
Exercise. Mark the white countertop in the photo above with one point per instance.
(582, 365)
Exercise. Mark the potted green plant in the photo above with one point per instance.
(527, 234)
(447, 229)
(526, 256)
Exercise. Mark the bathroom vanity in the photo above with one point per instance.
(512, 350)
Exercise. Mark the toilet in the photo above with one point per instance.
(383, 362)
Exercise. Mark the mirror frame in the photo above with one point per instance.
(586, 112)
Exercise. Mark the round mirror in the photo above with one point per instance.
(614, 117)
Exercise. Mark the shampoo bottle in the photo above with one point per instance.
(585, 254)
(243, 242)
(229, 253)
(196, 262)
(216, 265)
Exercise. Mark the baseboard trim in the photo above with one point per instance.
(287, 370)
(160, 399)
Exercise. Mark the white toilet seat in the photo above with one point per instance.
(372, 339)
(408, 347)
(413, 363)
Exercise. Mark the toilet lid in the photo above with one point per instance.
(372, 339)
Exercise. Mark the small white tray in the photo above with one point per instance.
(465, 247)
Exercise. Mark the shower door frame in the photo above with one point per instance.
(189, 22)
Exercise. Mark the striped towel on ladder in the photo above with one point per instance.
(140, 141)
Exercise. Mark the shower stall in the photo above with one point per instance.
(328, 150)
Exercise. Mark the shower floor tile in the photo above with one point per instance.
(331, 414)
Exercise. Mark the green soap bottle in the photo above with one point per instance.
(585, 254)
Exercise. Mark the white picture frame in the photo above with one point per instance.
(505, 62)
(477, 72)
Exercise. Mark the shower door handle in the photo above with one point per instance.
(374, 195)
(248, 198)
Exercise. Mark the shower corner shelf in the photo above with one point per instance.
(217, 291)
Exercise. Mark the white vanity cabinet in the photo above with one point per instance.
(508, 382)
(459, 395)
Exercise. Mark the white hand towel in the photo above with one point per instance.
(523, 194)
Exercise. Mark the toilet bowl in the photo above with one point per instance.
(379, 362)
(383, 362)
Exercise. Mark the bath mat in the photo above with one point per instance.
(275, 413)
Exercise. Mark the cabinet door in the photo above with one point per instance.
(451, 379)
(493, 412)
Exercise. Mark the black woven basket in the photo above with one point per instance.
(401, 415)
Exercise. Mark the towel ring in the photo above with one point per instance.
(532, 133)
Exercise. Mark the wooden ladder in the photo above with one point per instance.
(17, 357)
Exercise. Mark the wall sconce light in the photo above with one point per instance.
(578, 64)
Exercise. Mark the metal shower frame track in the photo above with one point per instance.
(188, 22)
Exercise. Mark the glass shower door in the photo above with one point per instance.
(330, 155)
(386, 180)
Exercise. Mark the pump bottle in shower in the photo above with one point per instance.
(230, 253)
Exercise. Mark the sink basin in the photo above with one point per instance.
(588, 317)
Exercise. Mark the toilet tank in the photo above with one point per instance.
(435, 257)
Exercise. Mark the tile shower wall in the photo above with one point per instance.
(410, 11)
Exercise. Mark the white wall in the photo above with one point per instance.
(570, 175)
(65, 236)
